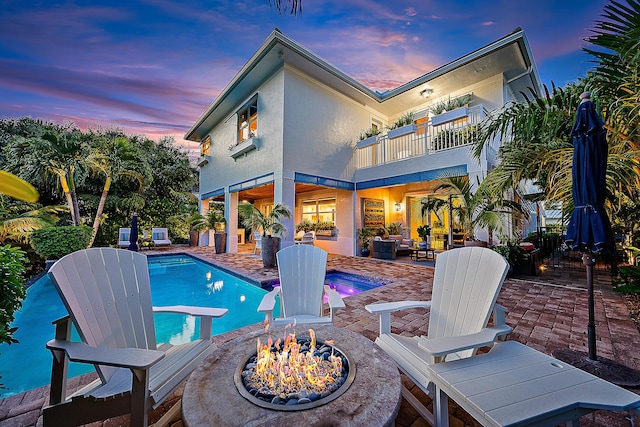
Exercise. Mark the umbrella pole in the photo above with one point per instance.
(589, 261)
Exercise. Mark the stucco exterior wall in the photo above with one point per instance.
(320, 127)
(222, 170)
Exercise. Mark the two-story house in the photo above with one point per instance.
(289, 128)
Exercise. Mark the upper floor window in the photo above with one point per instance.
(319, 210)
(248, 120)
(205, 146)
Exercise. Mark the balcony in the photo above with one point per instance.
(447, 131)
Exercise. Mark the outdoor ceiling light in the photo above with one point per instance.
(425, 93)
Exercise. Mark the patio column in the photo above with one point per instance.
(284, 192)
(206, 239)
(450, 237)
(231, 215)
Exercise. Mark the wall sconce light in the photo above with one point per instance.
(398, 207)
(425, 93)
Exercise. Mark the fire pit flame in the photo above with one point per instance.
(294, 374)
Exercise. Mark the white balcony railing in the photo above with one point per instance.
(459, 131)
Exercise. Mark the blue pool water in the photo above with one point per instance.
(175, 280)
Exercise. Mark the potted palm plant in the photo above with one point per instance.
(196, 224)
(424, 231)
(365, 235)
(271, 228)
(217, 222)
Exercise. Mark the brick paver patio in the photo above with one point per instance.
(547, 312)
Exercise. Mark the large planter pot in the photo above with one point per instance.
(220, 240)
(365, 252)
(404, 130)
(243, 148)
(193, 238)
(450, 116)
(270, 246)
(367, 141)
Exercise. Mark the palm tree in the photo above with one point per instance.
(536, 143)
(616, 42)
(18, 220)
(293, 6)
(66, 156)
(484, 208)
(253, 218)
(115, 159)
(55, 154)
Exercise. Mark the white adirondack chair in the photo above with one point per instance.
(466, 284)
(107, 294)
(301, 269)
(307, 238)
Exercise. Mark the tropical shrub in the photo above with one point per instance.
(394, 228)
(404, 120)
(512, 252)
(324, 225)
(12, 290)
(368, 133)
(628, 280)
(56, 242)
(305, 225)
(366, 235)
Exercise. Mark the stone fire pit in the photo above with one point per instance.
(212, 398)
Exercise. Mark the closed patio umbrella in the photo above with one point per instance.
(589, 229)
(133, 237)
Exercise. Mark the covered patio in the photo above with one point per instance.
(546, 312)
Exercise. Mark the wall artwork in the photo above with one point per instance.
(373, 213)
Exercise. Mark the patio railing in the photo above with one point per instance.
(427, 139)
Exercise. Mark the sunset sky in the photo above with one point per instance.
(153, 66)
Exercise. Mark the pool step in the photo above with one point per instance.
(161, 268)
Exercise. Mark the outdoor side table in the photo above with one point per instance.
(427, 253)
(515, 385)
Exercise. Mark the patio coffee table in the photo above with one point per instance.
(515, 385)
(211, 398)
(427, 253)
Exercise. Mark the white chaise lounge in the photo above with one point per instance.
(160, 237)
(124, 235)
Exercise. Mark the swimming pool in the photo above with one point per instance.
(175, 280)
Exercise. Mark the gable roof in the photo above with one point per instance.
(510, 55)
